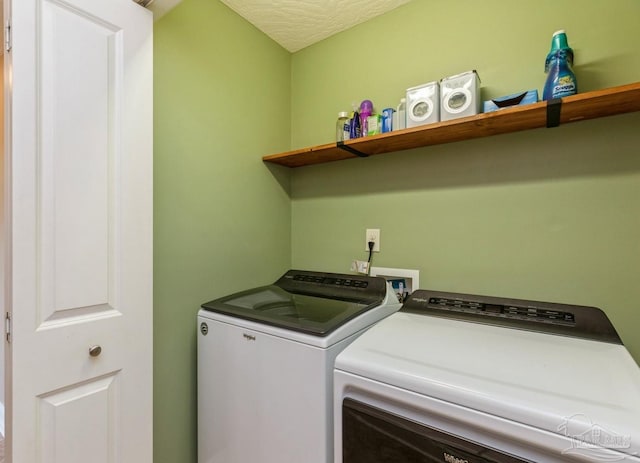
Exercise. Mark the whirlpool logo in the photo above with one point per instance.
(451, 459)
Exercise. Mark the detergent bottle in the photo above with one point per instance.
(561, 81)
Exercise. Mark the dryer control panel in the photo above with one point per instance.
(562, 319)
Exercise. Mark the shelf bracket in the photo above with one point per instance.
(342, 146)
(554, 108)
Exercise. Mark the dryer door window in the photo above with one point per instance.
(371, 435)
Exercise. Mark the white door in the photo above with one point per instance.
(79, 227)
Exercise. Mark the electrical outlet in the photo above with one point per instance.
(373, 234)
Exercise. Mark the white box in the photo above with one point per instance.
(460, 96)
(423, 104)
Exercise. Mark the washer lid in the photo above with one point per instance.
(309, 302)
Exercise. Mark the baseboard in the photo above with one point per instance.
(2, 419)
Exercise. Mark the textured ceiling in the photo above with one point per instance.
(296, 24)
(160, 7)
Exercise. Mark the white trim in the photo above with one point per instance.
(2, 419)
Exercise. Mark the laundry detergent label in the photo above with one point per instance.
(566, 86)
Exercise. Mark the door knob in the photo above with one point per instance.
(94, 351)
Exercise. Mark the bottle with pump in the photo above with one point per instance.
(561, 81)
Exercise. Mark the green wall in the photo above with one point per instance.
(549, 214)
(222, 220)
(424, 41)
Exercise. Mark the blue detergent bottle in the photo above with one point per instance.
(561, 81)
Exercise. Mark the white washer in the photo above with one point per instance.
(459, 378)
(265, 365)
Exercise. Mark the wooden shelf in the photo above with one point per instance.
(583, 106)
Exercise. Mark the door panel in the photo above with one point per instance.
(79, 227)
(77, 103)
(94, 403)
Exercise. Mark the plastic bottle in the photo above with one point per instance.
(366, 110)
(342, 127)
(388, 115)
(401, 115)
(354, 125)
(561, 81)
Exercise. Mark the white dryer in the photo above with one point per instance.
(459, 378)
(265, 365)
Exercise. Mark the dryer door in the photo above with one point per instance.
(371, 435)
